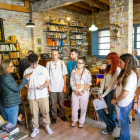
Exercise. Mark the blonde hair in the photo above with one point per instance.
(3, 67)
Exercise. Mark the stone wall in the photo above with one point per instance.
(40, 18)
(15, 24)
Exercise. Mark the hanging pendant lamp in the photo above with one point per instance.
(30, 23)
(93, 27)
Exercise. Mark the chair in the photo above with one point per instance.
(99, 78)
(25, 105)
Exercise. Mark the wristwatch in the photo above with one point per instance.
(44, 86)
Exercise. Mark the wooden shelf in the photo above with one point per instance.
(3, 43)
(76, 39)
(79, 33)
(57, 38)
(8, 51)
(49, 23)
(54, 32)
(78, 26)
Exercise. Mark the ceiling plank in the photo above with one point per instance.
(82, 5)
(95, 4)
(71, 7)
(105, 1)
(12, 7)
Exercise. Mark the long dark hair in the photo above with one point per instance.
(83, 58)
(130, 64)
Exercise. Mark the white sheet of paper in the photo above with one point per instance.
(33, 87)
(118, 111)
(99, 104)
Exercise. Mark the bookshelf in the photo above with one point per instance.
(78, 37)
(9, 51)
(56, 36)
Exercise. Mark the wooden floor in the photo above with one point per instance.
(91, 131)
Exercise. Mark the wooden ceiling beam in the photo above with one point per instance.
(105, 1)
(12, 7)
(97, 5)
(82, 5)
(74, 8)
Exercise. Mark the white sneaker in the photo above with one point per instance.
(48, 129)
(35, 132)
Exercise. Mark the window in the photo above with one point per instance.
(101, 43)
(104, 42)
(136, 38)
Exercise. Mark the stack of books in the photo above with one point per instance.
(10, 128)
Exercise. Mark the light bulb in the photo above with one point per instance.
(68, 18)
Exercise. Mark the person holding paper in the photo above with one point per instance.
(80, 82)
(10, 91)
(38, 93)
(125, 91)
(107, 92)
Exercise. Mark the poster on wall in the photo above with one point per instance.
(2, 39)
(39, 49)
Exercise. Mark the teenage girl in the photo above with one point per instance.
(80, 82)
(107, 91)
(125, 91)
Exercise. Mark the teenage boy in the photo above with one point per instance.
(57, 71)
(38, 93)
(24, 64)
(72, 64)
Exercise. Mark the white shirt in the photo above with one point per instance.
(38, 78)
(110, 82)
(56, 76)
(131, 85)
(84, 79)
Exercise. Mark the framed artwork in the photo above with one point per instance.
(38, 41)
(2, 38)
(39, 49)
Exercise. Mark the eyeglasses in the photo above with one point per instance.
(11, 66)
(80, 63)
(33, 64)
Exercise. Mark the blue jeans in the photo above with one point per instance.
(124, 121)
(12, 114)
(109, 118)
(2, 112)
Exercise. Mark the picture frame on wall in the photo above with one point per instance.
(2, 37)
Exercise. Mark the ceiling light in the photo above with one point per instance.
(30, 24)
(93, 28)
(68, 18)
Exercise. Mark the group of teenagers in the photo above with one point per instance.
(46, 87)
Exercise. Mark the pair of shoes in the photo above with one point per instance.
(35, 132)
(64, 119)
(80, 125)
(73, 124)
(106, 131)
(48, 129)
(53, 121)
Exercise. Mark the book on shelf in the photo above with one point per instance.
(10, 128)
(15, 62)
(14, 54)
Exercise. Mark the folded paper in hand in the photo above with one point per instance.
(99, 104)
(33, 87)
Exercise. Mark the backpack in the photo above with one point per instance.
(61, 62)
